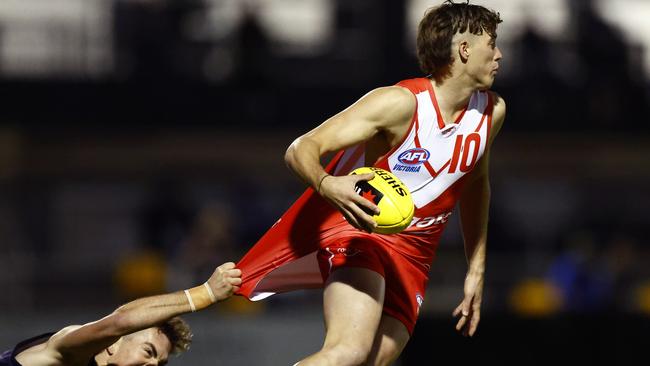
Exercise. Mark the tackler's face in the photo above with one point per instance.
(148, 347)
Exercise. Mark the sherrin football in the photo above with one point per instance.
(391, 196)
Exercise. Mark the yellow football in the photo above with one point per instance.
(391, 196)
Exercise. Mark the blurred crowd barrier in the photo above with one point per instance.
(127, 215)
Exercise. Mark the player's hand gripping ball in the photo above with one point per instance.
(391, 196)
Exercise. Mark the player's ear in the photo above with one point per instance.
(114, 347)
(463, 50)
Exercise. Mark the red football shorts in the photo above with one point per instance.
(405, 279)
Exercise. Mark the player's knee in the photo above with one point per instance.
(351, 354)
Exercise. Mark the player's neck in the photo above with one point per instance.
(452, 96)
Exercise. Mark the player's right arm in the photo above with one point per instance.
(382, 111)
(77, 344)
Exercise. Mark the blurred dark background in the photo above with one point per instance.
(141, 145)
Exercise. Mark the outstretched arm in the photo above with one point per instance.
(383, 110)
(78, 343)
(474, 208)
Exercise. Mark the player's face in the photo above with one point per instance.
(483, 63)
(144, 348)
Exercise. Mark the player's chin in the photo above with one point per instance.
(486, 83)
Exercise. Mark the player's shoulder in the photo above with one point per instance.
(499, 106)
(55, 348)
(56, 338)
(394, 96)
(498, 112)
(49, 351)
(390, 104)
(65, 331)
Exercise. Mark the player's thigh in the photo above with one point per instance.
(352, 305)
(390, 340)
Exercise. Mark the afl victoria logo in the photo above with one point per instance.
(414, 156)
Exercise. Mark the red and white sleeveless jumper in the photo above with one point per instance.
(312, 238)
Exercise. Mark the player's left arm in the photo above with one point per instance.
(474, 208)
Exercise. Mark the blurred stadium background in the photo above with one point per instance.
(141, 144)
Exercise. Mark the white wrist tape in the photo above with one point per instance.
(189, 299)
(212, 297)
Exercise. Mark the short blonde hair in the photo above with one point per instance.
(179, 334)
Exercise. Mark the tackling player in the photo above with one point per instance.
(142, 332)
